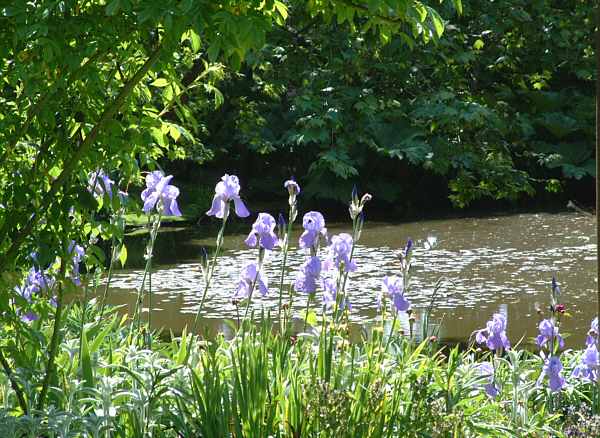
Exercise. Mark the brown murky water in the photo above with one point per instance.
(498, 264)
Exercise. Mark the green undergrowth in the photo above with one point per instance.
(110, 383)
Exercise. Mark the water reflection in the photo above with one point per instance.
(500, 264)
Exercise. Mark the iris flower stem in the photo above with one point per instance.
(108, 279)
(258, 268)
(155, 228)
(389, 339)
(211, 270)
(345, 274)
(113, 257)
(306, 312)
(283, 265)
(150, 250)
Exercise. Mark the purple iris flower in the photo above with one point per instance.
(226, 190)
(394, 287)
(494, 335)
(592, 336)
(306, 280)
(29, 316)
(249, 275)
(263, 232)
(77, 253)
(552, 369)
(159, 193)
(548, 332)
(340, 251)
(408, 248)
(588, 369)
(313, 223)
(292, 187)
(329, 291)
(99, 183)
(35, 283)
(486, 370)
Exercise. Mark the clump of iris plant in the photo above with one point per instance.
(160, 194)
(284, 231)
(550, 342)
(262, 236)
(589, 365)
(494, 337)
(160, 199)
(227, 190)
(37, 283)
(494, 334)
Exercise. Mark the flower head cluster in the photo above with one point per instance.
(227, 190)
(553, 370)
(36, 283)
(394, 288)
(486, 371)
(313, 223)
(263, 232)
(329, 291)
(249, 278)
(307, 278)
(548, 334)
(494, 335)
(293, 189)
(356, 204)
(99, 183)
(160, 194)
(77, 253)
(589, 366)
(340, 253)
(330, 295)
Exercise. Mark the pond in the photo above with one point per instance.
(494, 264)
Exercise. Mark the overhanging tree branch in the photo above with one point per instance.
(69, 167)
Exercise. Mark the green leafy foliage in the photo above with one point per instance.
(501, 104)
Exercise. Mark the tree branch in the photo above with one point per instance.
(70, 165)
(13, 383)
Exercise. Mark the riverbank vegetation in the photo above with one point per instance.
(78, 368)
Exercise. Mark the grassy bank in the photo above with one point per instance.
(258, 384)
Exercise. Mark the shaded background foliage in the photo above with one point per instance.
(501, 108)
